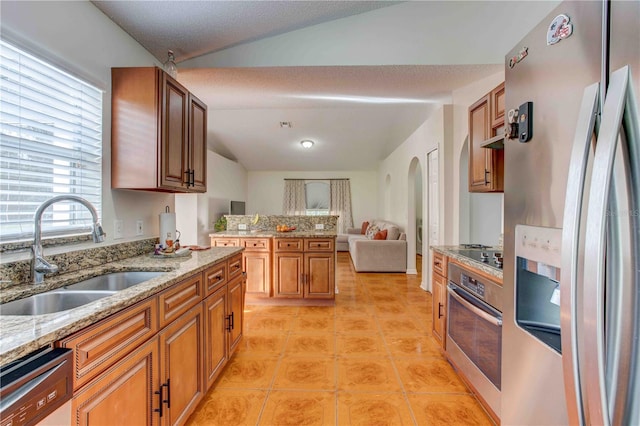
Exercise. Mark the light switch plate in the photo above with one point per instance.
(319, 226)
(242, 226)
(139, 227)
(118, 229)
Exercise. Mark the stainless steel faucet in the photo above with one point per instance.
(39, 266)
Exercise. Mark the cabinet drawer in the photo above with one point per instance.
(318, 244)
(225, 242)
(256, 244)
(98, 347)
(234, 266)
(288, 244)
(439, 263)
(214, 277)
(180, 298)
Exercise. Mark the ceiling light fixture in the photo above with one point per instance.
(170, 65)
(306, 143)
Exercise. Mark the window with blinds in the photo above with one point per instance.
(50, 144)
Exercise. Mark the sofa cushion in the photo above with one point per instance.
(365, 225)
(380, 235)
(393, 231)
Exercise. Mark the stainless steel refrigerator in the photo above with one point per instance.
(571, 336)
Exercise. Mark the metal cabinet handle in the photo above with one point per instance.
(193, 177)
(168, 400)
(233, 322)
(160, 401)
(486, 172)
(187, 180)
(228, 321)
(440, 306)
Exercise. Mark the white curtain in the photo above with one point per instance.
(341, 203)
(293, 202)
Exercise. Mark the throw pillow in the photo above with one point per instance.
(363, 230)
(380, 235)
(371, 231)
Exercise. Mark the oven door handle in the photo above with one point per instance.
(479, 312)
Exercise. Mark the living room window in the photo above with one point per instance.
(317, 198)
(50, 144)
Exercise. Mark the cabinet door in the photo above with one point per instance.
(236, 290)
(182, 377)
(174, 127)
(124, 394)
(497, 107)
(319, 275)
(216, 334)
(288, 274)
(197, 144)
(257, 265)
(439, 308)
(479, 125)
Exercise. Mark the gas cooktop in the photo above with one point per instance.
(484, 255)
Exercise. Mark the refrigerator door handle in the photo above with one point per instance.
(571, 240)
(609, 236)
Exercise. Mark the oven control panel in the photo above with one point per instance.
(472, 285)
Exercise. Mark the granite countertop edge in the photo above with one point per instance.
(449, 251)
(275, 234)
(20, 335)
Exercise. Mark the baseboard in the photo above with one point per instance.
(423, 285)
(412, 272)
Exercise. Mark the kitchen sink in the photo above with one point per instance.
(51, 302)
(114, 282)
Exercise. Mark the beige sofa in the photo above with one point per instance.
(369, 255)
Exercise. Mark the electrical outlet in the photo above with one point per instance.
(319, 226)
(118, 229)
(242, 226)
(139, 227)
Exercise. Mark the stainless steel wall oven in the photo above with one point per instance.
(474, 331)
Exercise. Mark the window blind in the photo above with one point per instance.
(50, 144)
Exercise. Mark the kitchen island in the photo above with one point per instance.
(295, 267)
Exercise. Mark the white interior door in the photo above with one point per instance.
(433, 209)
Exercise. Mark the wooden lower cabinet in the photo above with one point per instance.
(181, 353)
(124, 395)
(223, 325)
(439, 308)
(288, 275)
(136, 373)
(319, 275)
(257, 265)
(304, 268)
(216, 353)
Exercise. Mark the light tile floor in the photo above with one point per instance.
(368, 360)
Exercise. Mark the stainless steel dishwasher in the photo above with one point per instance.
(37, 389)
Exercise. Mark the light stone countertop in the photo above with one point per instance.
(448, 251)
(269, 234)
(20, 335)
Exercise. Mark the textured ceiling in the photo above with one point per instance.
(193, 28)
(357, 115)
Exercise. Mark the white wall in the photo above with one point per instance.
(196, 213)
(473, 216)
(79, 38)
(265, 190)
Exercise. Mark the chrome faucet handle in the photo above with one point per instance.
(45, 267)
(98, 233)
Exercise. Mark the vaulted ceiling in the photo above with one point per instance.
(357, 77)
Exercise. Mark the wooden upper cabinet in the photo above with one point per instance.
(486, 120)
(158, 133)
(198, 143)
